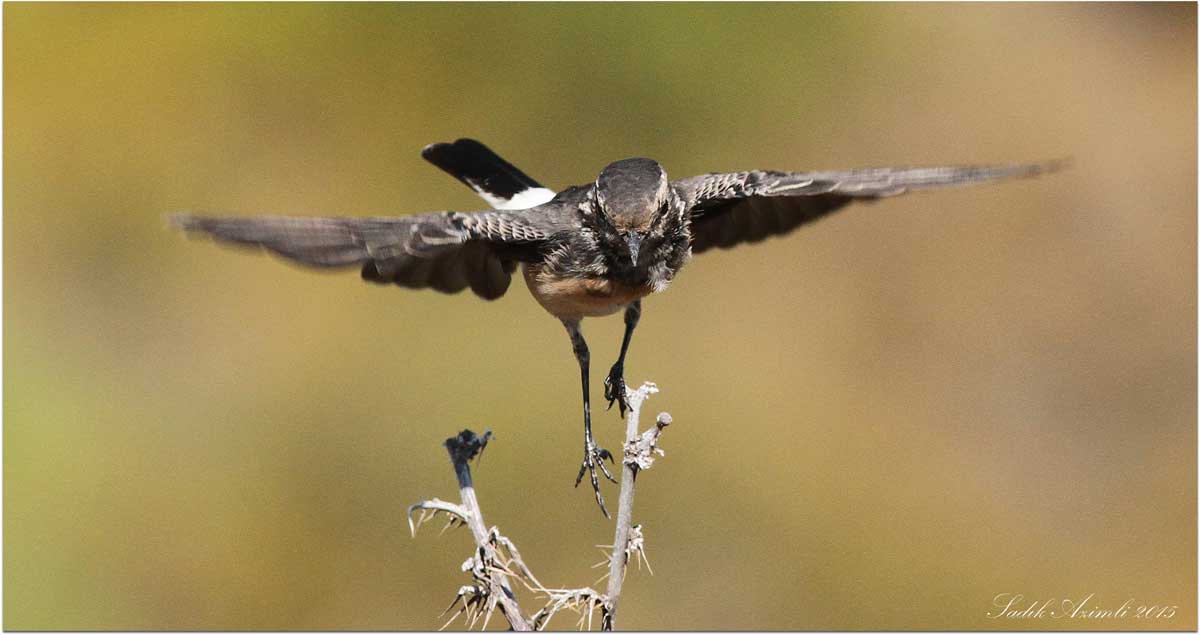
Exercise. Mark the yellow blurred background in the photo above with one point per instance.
(883, 421)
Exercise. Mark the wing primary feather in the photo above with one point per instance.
(740, 207)
(445, 251)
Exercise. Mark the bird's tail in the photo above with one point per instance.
(495, 180)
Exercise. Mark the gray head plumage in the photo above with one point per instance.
(630, 191)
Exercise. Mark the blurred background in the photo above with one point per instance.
(883, 421)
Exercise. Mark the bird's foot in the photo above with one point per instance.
(594, 457)
(615, 389)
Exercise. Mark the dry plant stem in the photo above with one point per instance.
(474, 516)
(629, 470)
(497, 562)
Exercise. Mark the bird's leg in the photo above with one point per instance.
(614, 384)
(593, 456)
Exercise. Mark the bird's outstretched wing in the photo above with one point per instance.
(746, 207)
(446, 251)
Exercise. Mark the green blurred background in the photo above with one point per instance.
(882, 421)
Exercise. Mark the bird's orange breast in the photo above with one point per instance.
(576, 298)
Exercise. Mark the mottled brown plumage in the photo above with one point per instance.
(591, 250)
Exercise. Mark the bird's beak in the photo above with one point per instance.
(634, 240)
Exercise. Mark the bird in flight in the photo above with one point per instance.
(585, 251)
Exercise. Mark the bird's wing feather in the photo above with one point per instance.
(447, 251)
(739, 207)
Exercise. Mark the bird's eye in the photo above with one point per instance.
(659, 216)
(603, 221)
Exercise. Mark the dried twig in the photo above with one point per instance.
(486, 566)
(585, 601)
(496, 559)
(639, 454)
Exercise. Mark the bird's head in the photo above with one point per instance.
(638, 218)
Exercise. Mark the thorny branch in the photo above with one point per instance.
(496, 559)
(639, 454)
(487, 565)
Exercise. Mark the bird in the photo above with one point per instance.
(584, 251)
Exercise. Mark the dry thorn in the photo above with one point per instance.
(431, 508)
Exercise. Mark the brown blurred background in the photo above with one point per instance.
(882, 421)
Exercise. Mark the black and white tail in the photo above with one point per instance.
(495, 180)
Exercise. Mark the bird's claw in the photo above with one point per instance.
(615, 389)
(594, 457)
